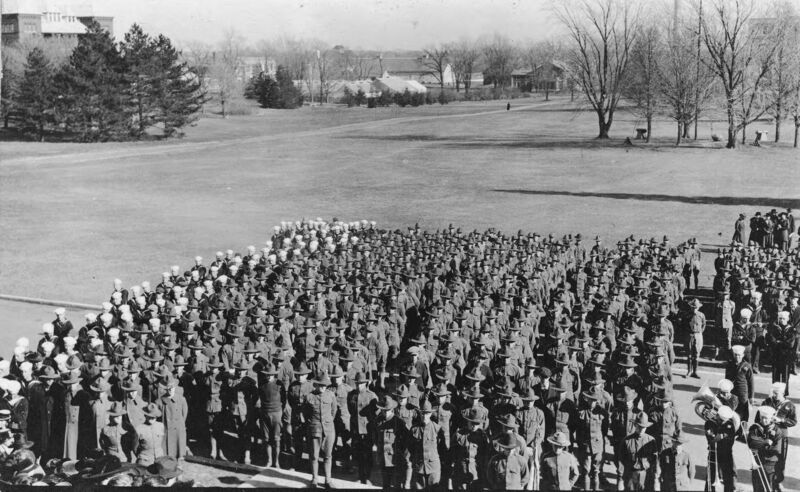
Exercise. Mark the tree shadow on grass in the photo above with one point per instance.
(696, 200)
(525, 141)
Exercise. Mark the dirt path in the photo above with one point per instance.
(182, 148)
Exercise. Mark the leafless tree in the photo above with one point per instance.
(465, 55)
(785, 74)
(199, 57)
(642, 83)
(741, 53)
(793, 108)
(539, 56)
(499, 54)
(323, 60)
(602, 33)
(684, 92)
(224, 70)
(436, 59)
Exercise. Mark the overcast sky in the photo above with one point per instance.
(377, 24)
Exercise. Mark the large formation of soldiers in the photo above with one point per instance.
(449, 359)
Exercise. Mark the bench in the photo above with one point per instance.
(641, 133)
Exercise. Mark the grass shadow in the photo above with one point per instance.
(694, 200)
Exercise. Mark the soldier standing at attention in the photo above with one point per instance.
(424, 442)
(560, 469)
(320, 410)
(592, 428)
(361, 407)
(506, 468)
(638, 460)
(677, 467)
(697, 325)
(150, 437)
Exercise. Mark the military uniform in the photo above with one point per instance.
(559, 471)
(639, 455)
(150, 443)
(361, 406)
(468, 449)
(320, 409)
(592, 427)
(677, 471)
(424, 444)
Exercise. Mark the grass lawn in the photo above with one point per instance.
(75, 216)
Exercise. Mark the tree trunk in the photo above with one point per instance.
(547, 94)
(686, 130)
(778, 121)
(796, 131)
(141, 117)
(731, 125)
(680, 132)
(649, 127)
(603, 126)
(744, 134)
(572, 95)
(222, 101)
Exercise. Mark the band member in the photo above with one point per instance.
(740, 373)
(765, 441)
(721, 430)
(785, 417)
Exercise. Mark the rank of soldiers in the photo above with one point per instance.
(427, 360)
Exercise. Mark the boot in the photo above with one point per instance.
(586, 482)
(268, 451)
(328, 469)
(214, 450)
(596, 483)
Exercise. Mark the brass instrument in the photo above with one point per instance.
(707, 408)
(782, 411)
(708, 405)
(756, 461)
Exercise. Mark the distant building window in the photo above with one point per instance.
(9, 27)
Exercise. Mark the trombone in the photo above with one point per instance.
(755, 463)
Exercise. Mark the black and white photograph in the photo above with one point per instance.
(400, 244)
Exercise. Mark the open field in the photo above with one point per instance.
(73, 217)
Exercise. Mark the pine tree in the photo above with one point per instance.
(36, 95)
(268, 93)
(142, 75)
(291, 97)
(96, 98)
(179, 93)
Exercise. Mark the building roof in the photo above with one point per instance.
(398, 66)
(416, 86)
(64, 25)
(395, 84)
(79, 8)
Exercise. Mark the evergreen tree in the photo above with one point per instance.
(96, 96)
(291, 97)
(36, 95)
(268, 93)
(143, 75)
(179, 92)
